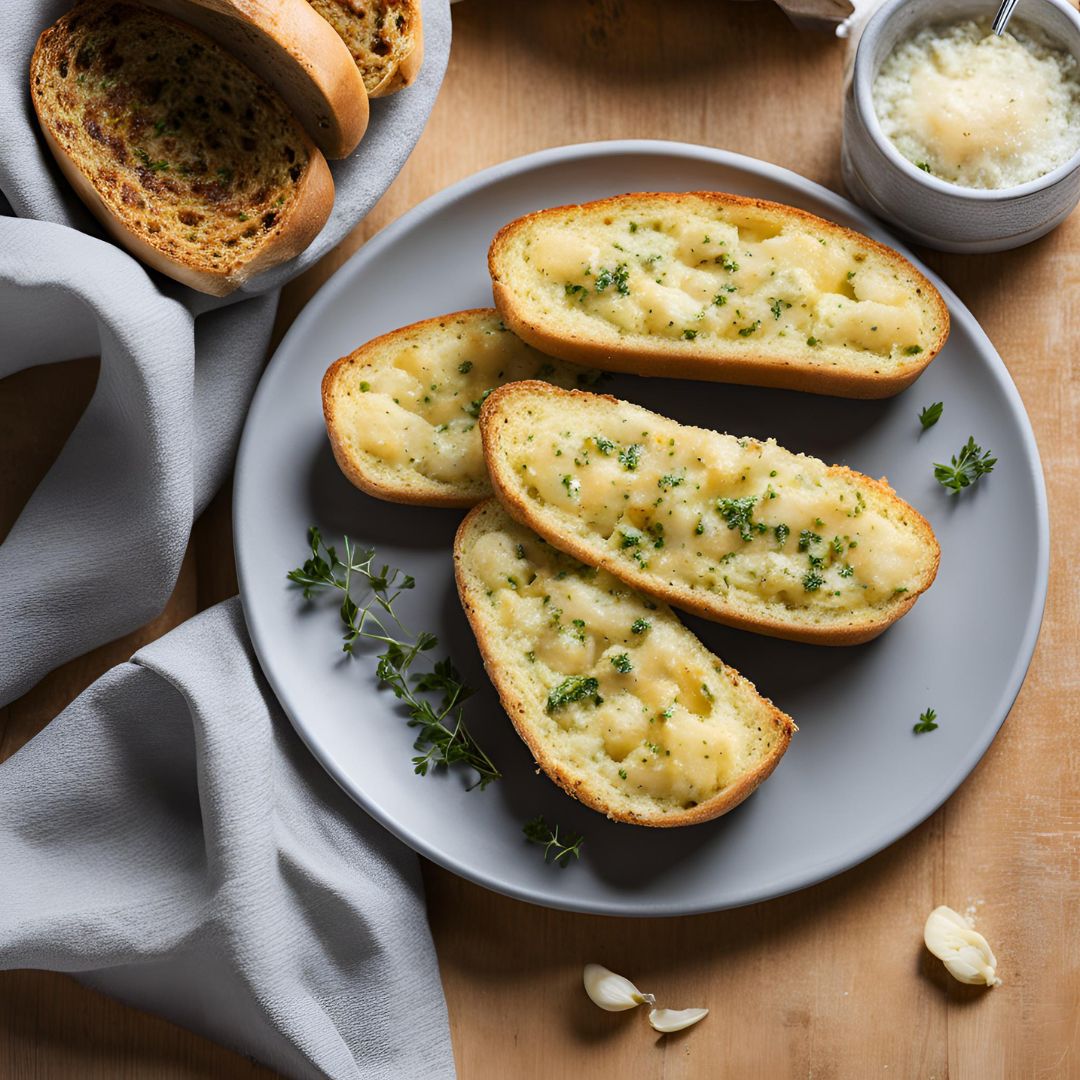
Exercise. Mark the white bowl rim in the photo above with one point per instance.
(863, 89)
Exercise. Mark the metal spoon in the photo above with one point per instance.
(1001, 19)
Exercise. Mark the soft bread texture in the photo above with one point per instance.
(188, 159)
(385, 38)
(401, 410)
(735, 530)
(706, 285)
(619, 703)
(296, 52)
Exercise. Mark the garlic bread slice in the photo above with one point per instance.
(401, 411)
(706, 285)
(736, 530)
(619, 703)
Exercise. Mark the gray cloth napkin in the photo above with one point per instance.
(169, 839)
(177, 371)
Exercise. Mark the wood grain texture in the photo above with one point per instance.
(830, 982)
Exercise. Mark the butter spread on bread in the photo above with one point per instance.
(401, 411)
(714, 286)
(385, 38)
(187, 158)
(619, 703)
(734, 529)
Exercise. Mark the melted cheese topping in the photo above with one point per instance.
(412, 403)
(699, 273)
(979, 110)
(745, 520)
(615, 686)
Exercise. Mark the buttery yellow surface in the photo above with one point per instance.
(664, 722)
(748, 520)
(697, 272)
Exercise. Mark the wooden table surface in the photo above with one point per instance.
(832, 981)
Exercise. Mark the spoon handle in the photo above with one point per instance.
(1003, 16)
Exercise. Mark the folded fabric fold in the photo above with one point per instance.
(169, 840)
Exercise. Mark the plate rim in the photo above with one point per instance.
(755, 167)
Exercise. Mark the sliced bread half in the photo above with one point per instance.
(385, 38)
(618, 702)
(188, 159)
(401, 410)
(293, 50)
(733, 529)
(705, 285)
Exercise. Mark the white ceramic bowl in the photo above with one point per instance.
(931, 211)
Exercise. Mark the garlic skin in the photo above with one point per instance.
(612, 992)
(668, 1020)
(966, 954)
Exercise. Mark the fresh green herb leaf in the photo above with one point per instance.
(442, 737)
(781, 532)
(927, 722)
(605, 446)
(619, 277)
(931, 414)
(778, 307)
(557, 849)
(630, 457)
(465, 367)
(640, 626)
(812, 581)
(746, 331)
(622, 664)
(966, 467)
(737, 513)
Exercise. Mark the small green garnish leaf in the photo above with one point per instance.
(572, 688)
(465, 367)
(622, 664)
(630, 457)
(965, 468)
(927, 722)
(812, 581)
(605, 446)
(557, 849)
(689, 335)
(619, 277)
(913, 350)
(474, 407)
(640, 626)
(746, 331)
(442, 738)
(737, 513)
(931, 414)
(778, 307)
(781, 532)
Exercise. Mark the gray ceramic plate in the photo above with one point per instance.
(855, 779)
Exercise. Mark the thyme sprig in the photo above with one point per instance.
(965, 468)
(557, 849)
(442, 737)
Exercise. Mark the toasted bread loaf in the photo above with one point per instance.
(619, 703)
(297, 53)
(705, 285)
(187, 158)
(385, 37)
(401, 410)
(736, 530)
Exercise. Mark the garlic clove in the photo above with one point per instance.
(667, 1020)
(612, 992)
(966, 954)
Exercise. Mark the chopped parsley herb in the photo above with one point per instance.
(777, 307)
(746, 331)
(925, 168)
(806, 538)
(577, 290)
(572, 688)
(633, 229)
(473, 408)
(781, 532)
(728, 263)
(812, 581)
(619, 277)
(670, 481)
(465, 367)
(927, 722)
(519, 550)
(605, 446)
(812, 341)
(966, 467)
(737, 513)
(631, 456)
(913, 350)
(689, 335)
(622, 664)
(847, 571)
(640, 626)
(365, 387)
(630, 538)
(622, 774)
(719, 299)
(931, 414)
(572, 485)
